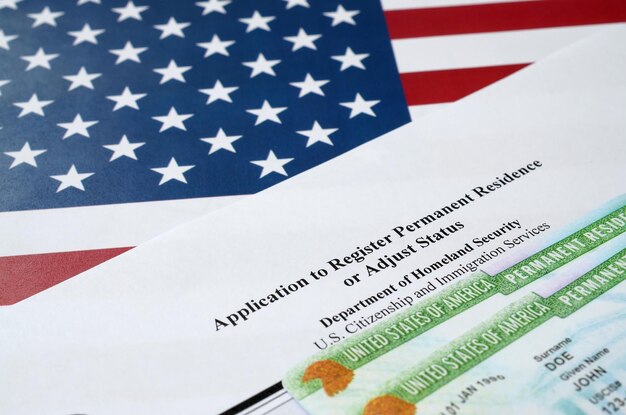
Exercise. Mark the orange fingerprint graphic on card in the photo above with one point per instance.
(334, 376)
(389, 405)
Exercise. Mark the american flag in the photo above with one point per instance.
(124, 118)
(120, 102)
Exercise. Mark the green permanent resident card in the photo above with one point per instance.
(546, 335)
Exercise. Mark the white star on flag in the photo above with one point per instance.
(272, 164)
(128, 53)
(262, 65)
(82, 78)
(77, 127)
(310, 86)
(86, 34)
(25, 156)
(257, 21)
(317, 134)
(351, 59)
(172, 172)
(221, 142)
(9, 4)
(130, 11)
(39, 59)
(267, 113)
(219, 92)
(293, 3)
(81, 2)
(341, 15)
(172, 120)
(3, 82)
(211, 6)
(126, 99)
(123, 149)
(172, 28)
(45, 16)
(5, 39)
(216, 45)
(360, 106)
(72, 179)
(302, 40)
(32, 106)
(172, 72)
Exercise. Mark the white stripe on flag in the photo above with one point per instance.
(422, 4)
(94, 227)
(485, 49)
(418, 111)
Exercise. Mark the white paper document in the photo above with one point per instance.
(207, 316)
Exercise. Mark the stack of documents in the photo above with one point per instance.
(462, 254)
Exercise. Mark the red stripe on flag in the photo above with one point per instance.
(436, 87)
(26, 275)
(497, 17)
